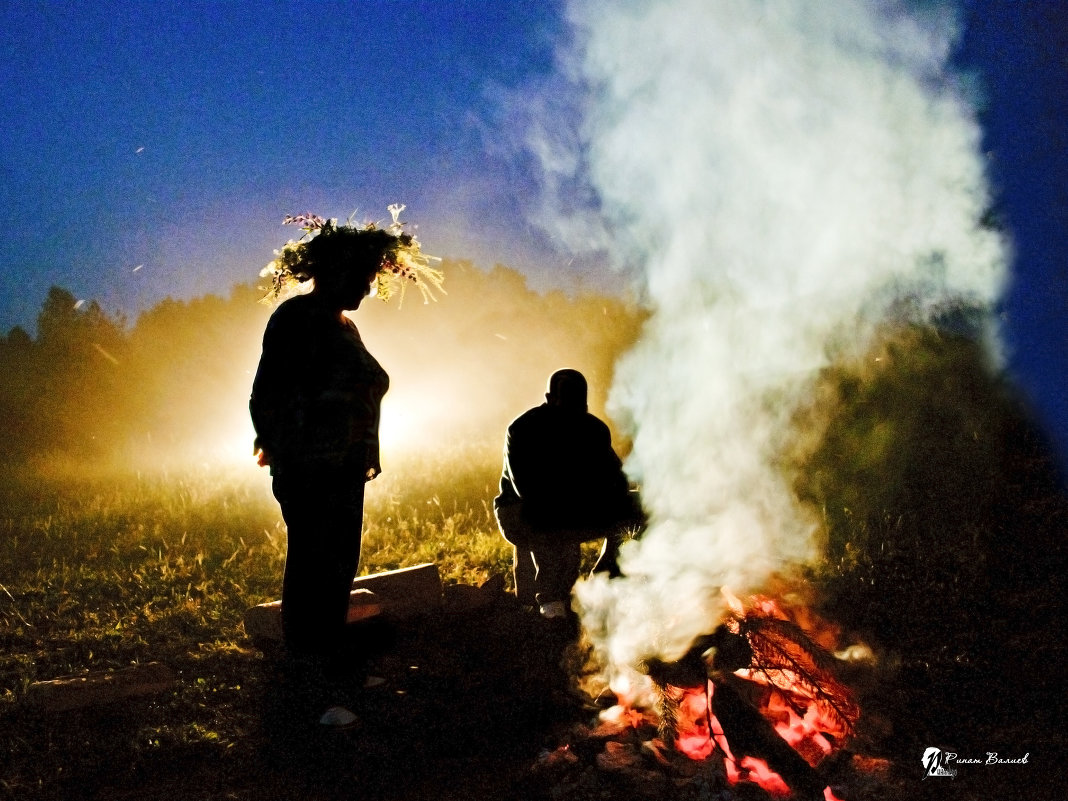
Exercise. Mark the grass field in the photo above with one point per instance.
(109, 571)
(101, 572)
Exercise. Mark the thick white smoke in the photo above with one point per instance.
(778, 170)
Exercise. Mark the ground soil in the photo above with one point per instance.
(480, 701)
(473, 692)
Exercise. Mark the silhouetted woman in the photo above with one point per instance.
(315, 405)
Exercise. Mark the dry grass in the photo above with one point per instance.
(104, 572)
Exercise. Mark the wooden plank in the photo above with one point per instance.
(405, 592)
(76, 692)
(395, 594)
(264, 622)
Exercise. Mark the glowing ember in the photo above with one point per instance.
(622, 716)
(695, 725)
(700, 733)
(758, 772)
(771, 683)
(806, 735)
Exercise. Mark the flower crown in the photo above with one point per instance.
(402, 261)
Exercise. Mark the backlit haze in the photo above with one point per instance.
(765, 177)
(152, 150)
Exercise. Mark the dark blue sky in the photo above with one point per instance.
(1020, 51)
(177, 135)
(151, 149)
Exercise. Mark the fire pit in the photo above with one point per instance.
(754, 709)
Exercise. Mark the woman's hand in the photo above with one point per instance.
(262, 459)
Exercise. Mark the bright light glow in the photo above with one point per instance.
(407, 422)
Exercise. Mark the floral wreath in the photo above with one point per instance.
(403, 262)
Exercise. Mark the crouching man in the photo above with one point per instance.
(562, 485)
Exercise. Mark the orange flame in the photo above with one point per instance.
(697, 742)
(800, 719)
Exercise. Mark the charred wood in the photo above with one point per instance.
(749, 734)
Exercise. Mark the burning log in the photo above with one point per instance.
(703, 702)
(749, 734)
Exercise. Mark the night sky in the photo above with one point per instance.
(176, 136)
(1020, 52)
(152, 149)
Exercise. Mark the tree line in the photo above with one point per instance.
(93, 386)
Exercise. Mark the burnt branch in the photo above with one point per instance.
(786, 658)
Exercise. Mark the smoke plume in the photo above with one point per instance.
(780, 174)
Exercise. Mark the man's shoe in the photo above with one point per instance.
(337, 717)
(553, 610)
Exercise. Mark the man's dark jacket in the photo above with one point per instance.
(560, 465)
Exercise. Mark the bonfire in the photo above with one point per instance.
(756, 703)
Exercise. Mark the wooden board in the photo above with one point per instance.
(404, 592)
(395, 594)
(75, 692)
(265, 620)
